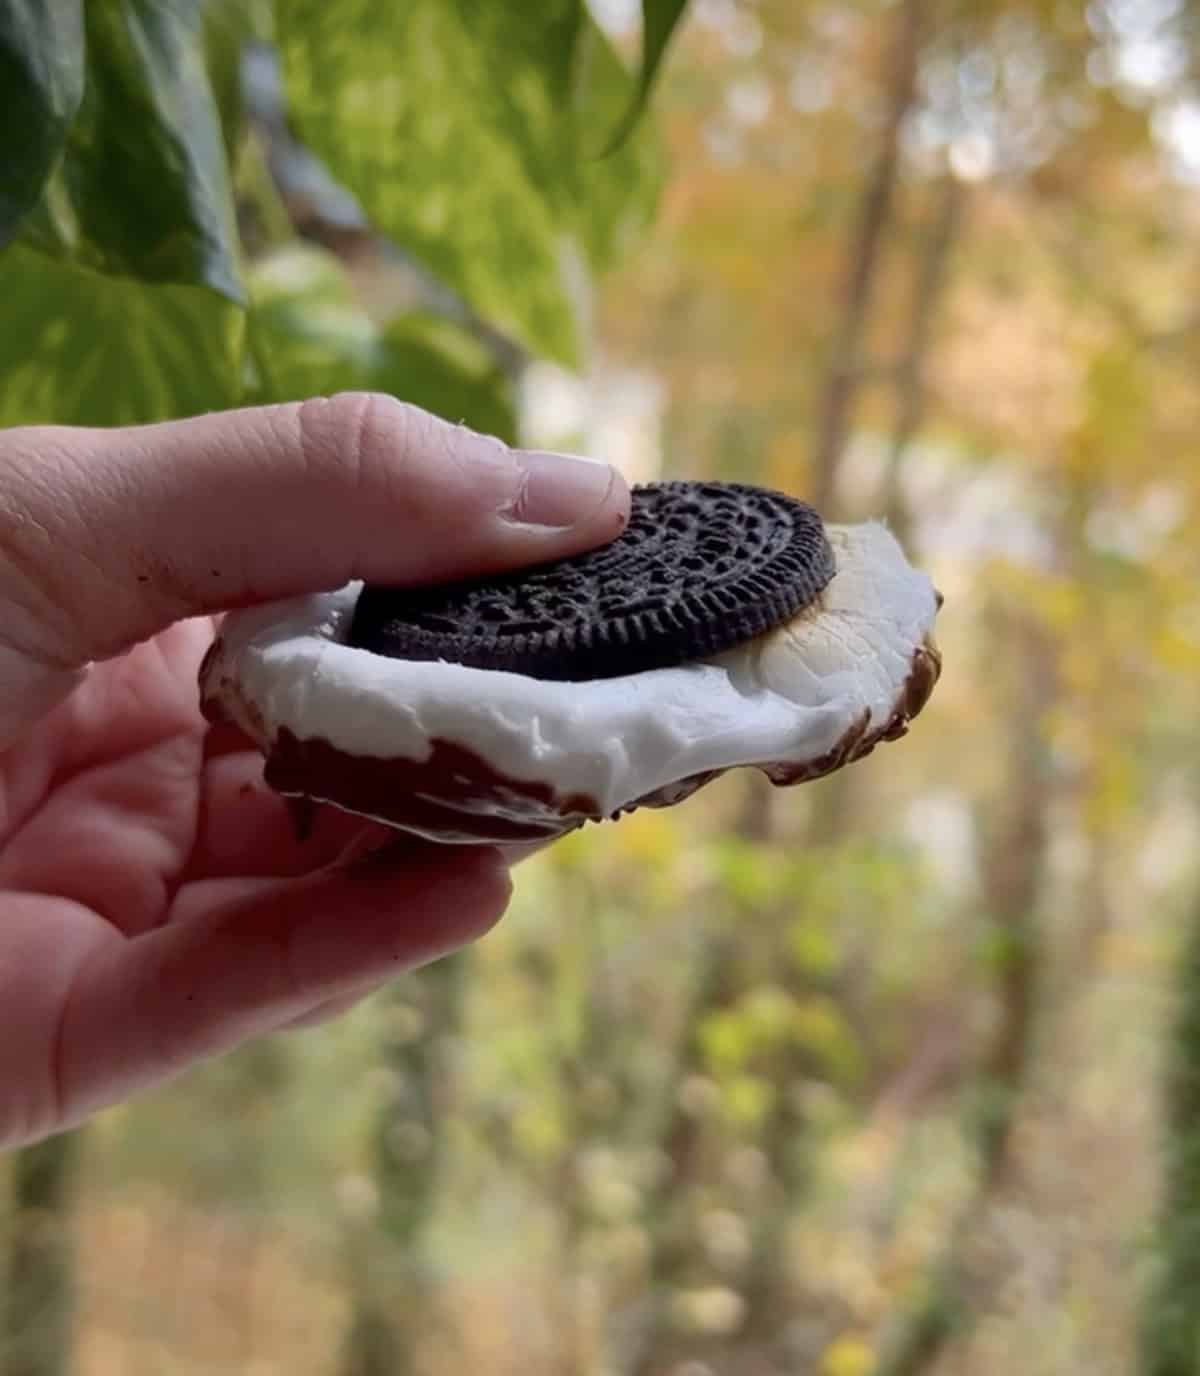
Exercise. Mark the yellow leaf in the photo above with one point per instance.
(847, 1356)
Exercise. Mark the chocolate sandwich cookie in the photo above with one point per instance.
(726, 628)
(699, 569)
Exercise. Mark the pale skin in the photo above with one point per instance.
(155, 906)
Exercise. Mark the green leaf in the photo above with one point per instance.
(228, 27)
(307, 337)
(305, 334)
(812, 947)
(437, 365)
(143, 188)
(79, 348)
(618, 187)
(41, 85)
(727, 1040)
(748, 1099)
(822, 1030)
(659, 18)
(464, 129)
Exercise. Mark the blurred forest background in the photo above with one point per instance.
(893, 1075)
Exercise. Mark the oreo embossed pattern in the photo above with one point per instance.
(701, 568)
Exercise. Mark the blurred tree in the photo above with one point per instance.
(394, 1302)
(1040, 119)
(36, 1327)
(1170, 1340)
(126, 300)
(747, 1087)
(1017, 831)
(869, 234)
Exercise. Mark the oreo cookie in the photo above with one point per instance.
(701, 568)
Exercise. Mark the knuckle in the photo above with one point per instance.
(388, 453)
(354, 433)
(41, 558)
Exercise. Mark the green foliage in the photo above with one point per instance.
(142, 189)
(767, 1021)
(468, 130)
(85, 348)
(228, 25)
(37, 1306)
(783, 1089)
(934, 1314)
(41, 85)
(308, 335)
(659, 18)
(1000, 947)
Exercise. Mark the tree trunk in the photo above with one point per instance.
(846, 362)
(832, 798)
(1170, 1336)
(668, 1216)
(393, 1301)
(39, 1296)
(1013, 871)
(911, 378)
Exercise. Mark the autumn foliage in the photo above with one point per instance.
(892, 1074)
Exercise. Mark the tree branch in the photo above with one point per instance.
(911, 375)
(863, 263)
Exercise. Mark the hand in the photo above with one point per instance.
(154, 905)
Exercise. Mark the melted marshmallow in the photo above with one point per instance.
(787, 697)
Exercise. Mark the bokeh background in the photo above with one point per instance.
(897, 1074)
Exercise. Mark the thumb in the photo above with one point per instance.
(108, 536)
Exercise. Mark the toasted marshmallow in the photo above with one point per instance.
(466, 754)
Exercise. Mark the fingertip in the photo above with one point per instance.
(485, 889)
(561, 491)
(496, 878)
(472, 883)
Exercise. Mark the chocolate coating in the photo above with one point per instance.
(454, 795)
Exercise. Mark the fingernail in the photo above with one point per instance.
(560, 489)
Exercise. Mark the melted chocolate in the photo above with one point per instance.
(453, 795)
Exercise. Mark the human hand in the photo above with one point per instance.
(156, 908)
